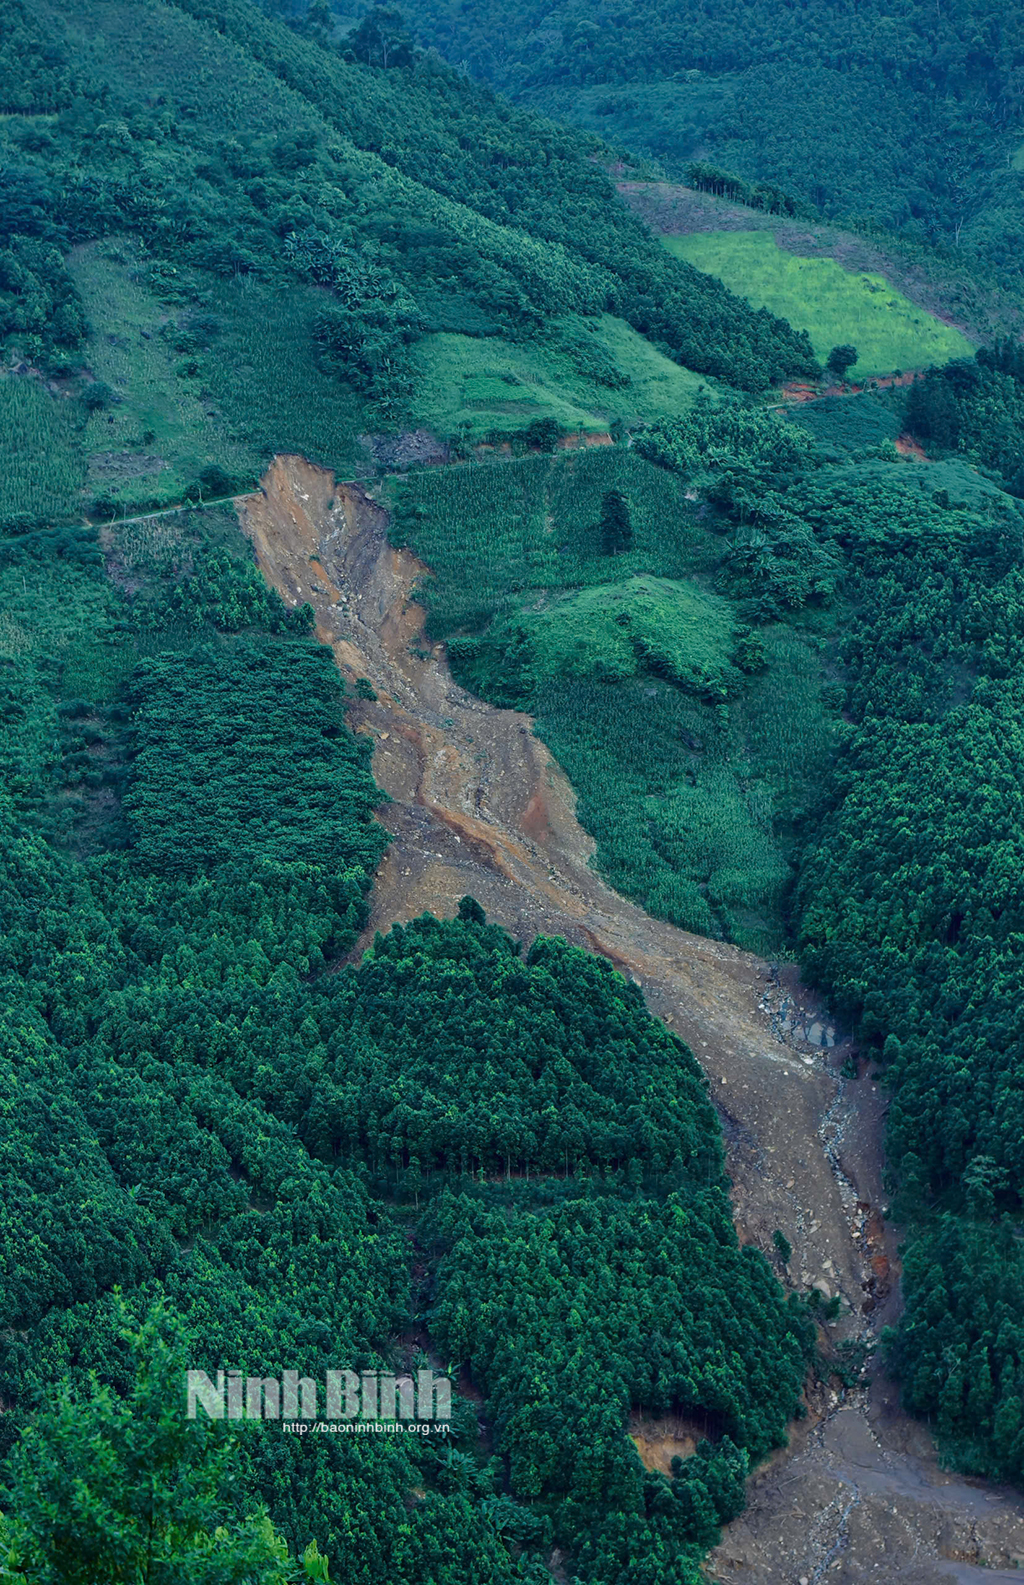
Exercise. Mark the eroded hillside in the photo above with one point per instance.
(478, 805)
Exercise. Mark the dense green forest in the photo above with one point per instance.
(222, 1149)
(222, 162)
(906, 584)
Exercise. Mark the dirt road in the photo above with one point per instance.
(478, 805)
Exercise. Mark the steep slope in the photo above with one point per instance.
(478, 805)
(909, 118)
(187, 185)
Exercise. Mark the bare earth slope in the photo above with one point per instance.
(478, 805)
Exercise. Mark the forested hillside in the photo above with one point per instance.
(777, 650)
(280, 1162)
(909, 116)
(193, 176)
(907, 582)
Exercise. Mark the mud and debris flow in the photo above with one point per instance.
(478, 805)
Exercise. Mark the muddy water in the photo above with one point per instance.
(478, 805)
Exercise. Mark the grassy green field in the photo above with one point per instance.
(627, 662)
(157, 434)
(833, 305)
(483, 387)
(618, 630)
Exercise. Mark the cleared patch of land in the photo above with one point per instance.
(955, 291)
(197, 372)
(833, 305)
(594, 372)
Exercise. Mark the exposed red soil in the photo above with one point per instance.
(802, 391)
(907, 446)
(584, 439)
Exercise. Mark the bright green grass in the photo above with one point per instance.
(693, 811)
(618, 630)
(833, 305)
(692, 804)
(253, 390)
(1017, 163)
(43, 470)
(483, 387)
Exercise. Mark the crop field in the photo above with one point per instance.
(602, 371)
(689, 774)
(492, 531)
(43, 470)
(833, 305)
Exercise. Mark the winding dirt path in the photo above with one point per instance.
(478, 805)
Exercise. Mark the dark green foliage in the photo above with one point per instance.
(845, 427)
(282, 160)
(707, 178)
(240, 754)
(214, 588)
(153, 1504)
(960, 1346)
(523, 1296)
(382, 39)
(910, 918)
(728, 450)
(543, 434)
(945, 927)
(205, 1120)
(616, 524)
(906, 119)
(908, 913)
(126, 996)
(456, 1053)
(841, 360)
(777, 567)
(977, 408)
